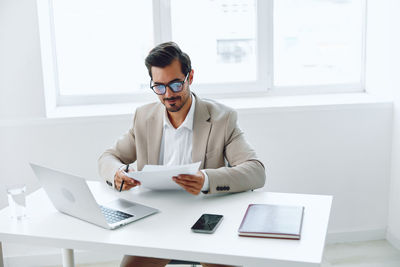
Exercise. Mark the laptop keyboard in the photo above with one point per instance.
(113, 216)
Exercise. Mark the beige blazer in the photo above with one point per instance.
(216, 137)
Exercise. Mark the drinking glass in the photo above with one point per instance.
(17, 201)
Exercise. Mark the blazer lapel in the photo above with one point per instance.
(154, 135)
(201, 132)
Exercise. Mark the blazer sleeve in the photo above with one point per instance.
(245, 170)
(122, 153)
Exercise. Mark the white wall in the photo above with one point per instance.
(383, 57)
(21, 86)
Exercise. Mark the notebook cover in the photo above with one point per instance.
(275, 221)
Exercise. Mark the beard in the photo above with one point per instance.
(178, 105)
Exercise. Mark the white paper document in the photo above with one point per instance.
(159, 177)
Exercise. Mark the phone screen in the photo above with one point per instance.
(207, 223)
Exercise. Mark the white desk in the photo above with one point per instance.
(168, 235)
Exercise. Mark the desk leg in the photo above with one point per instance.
(68, 257)
(1, 256)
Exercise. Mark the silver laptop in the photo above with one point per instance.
(71, 195)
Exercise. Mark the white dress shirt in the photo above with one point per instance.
(176, 143)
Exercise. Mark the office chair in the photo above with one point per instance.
(192, 263)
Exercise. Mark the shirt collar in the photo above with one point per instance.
(188, 122)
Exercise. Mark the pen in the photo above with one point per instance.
(122, 184)
(123, 181)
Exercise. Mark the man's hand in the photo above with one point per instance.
(128, 181)
(191, 183)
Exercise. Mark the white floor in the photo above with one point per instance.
(360, 254)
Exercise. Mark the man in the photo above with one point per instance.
(182, 129)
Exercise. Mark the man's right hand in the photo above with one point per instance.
(128, 182)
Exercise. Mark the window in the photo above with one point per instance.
(317, 42)
(227, 35)
(100, 45)
(99, 49)
(95, 50)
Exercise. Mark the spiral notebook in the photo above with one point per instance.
(273, 221)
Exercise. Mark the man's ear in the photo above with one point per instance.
(190, 78)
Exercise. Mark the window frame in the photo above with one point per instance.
(162, 30)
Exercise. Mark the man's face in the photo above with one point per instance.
(173, 102)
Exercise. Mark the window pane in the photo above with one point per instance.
(317, 42)
(101, 45)
(219, 36)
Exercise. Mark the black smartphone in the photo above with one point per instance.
(207, 223)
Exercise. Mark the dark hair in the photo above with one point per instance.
(163, 54)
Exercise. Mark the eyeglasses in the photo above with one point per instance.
(161, 89)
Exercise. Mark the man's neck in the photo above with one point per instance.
(177, 118)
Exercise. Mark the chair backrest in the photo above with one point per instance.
(175, 262)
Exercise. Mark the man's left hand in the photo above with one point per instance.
(191, 183)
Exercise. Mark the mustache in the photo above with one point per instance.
(172, 98)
